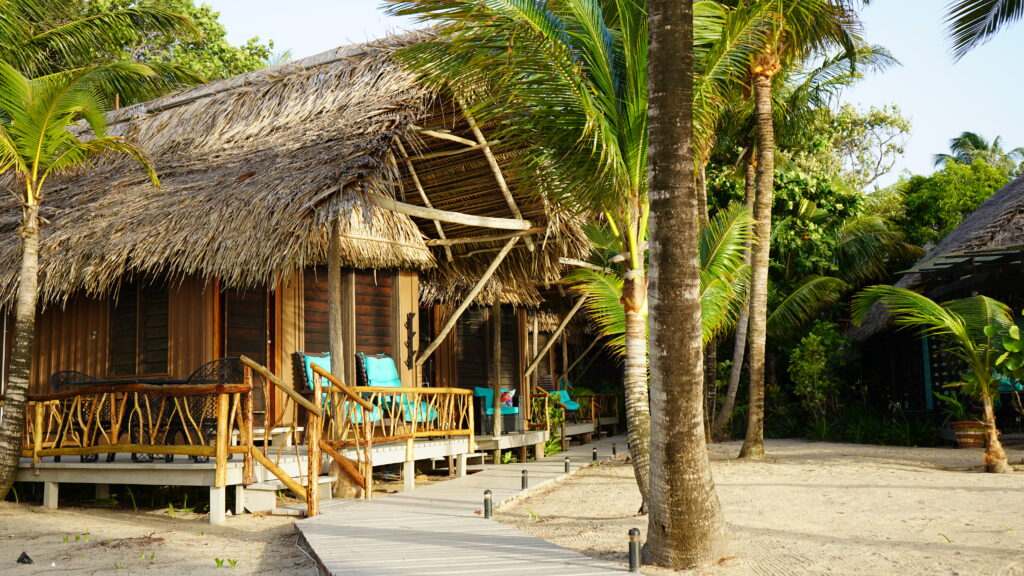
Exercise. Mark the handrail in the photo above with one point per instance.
(412, 390)
(337, 384)
(151, 389)
(258, 368)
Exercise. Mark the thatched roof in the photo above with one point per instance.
(254, 169)
(994, 230)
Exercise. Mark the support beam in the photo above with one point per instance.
(495, 168)
(495, 321)
(51, 491)
(408, 476)
(583, 264)
(558, 332)
(443, 135)
(218, 504)
(335, 302)
(450, 323)
(423, 197)
(450, 217)
(478, 239)
(442, 154)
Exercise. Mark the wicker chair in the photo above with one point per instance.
(203, 408)
(68, 380)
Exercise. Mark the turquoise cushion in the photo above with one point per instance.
(374, 416)
(563, 397)
(488, 395)
(381, 371)
(321, 361)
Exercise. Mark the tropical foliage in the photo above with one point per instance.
(970, 329)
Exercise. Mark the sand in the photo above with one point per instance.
(73, 540)
(814, 508)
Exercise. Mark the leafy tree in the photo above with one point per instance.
(852, 146)
(813, 367)
(207, 54)
(35, 145)
(935, 205)
(970, 328)
(970, 146)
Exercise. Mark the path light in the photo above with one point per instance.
(487, 505)
(566, 464)
(595, 454)
(634, 549)
(614, 451)
(526, 479)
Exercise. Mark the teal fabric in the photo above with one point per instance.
(1007, 385)
(323, 362)
(381, 371)
(563, 397)
(488, 395)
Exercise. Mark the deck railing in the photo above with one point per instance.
(197, 421)
(604, 406)
(539, 405)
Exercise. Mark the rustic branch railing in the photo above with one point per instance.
(539, 405)
(348, 423)
(192, 420)
(604, 406)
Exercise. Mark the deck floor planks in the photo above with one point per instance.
(437, 529)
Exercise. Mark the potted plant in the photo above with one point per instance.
(969, 433)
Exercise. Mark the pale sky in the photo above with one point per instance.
(982, 93)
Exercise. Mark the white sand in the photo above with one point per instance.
(104, 541)
(815, 508)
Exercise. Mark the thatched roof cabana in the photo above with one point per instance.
(255, 168)
(986, 246)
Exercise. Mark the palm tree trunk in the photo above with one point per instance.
(685, 526)
(753, 444)
(995, 456)
(21, 358)
(739, 346)
(638, 408)
(710, 387)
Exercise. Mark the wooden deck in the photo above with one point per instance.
(435, 529)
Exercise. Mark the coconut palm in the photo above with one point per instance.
(573, 76)
(798, 30)
(39, 139)
(964, 326)
(43, 37)
(971, 146)
(971, 23)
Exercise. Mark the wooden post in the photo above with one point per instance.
(555, 335)
(368, 466)
(450, 323)
(221, 474)
(334, 302)
(495, 320)
(37, 433)
(313, 448)
(247, 426)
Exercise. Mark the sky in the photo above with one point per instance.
(942, 99)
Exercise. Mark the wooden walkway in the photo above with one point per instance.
(434, 530)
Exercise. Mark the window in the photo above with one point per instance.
(138, 331)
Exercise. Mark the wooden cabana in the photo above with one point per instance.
(984, 255)
(338, 165)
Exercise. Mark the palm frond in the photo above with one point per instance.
(802, 303)
(971, 23)
(603, 305)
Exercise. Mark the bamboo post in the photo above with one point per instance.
(221, 475)
(368, 473)
(281, 475)
(246, 427)
(558, 332)
(37, 433)
(450, 323)
(313, 423)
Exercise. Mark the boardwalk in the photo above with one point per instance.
(434, 530)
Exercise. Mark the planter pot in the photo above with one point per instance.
(969, 433)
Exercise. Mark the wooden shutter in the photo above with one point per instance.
(314, 301)
(375, 290)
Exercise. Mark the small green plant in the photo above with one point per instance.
(231, 562)
(219, 562)
(118, 566)
(952, 408)
(66, 538)
(131, 495)
(170, 509)
(14, 492)
(533, 515)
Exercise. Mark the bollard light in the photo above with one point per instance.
(595, 454)
(634, 549)
(526, 479)
(614, 451)
(566, 464)
(487, 504)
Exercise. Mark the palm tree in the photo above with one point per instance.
(573, 75)
(37, 142)
(723, 278)
(971, 23)
(971, 146)
(797, 30)
(685, 525)
(44, 37)
(964, 326)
